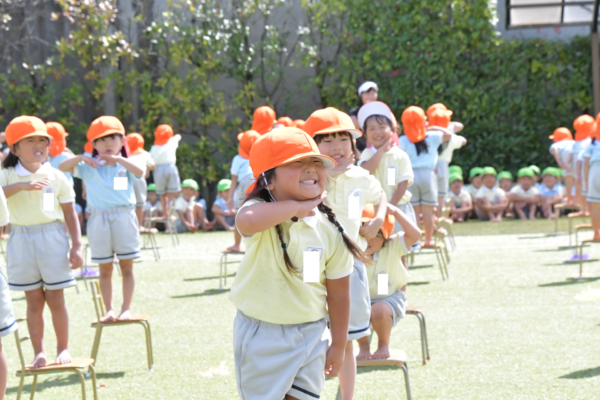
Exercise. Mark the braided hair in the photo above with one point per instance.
(260, 192)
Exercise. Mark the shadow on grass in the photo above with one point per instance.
(19, 299)
(584, 373)
(65, 379)
(206, 278)
(418, 283)
(209, 292)
(561, 248)
(570, 281)
(421, 266)
(570, 263)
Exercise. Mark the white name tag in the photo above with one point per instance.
(354, 206)
(382, 284)
(391, 176)
(48, 199)
(310, 266)
(120, 182)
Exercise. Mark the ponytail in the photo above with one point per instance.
(11, 160)
(422, 147)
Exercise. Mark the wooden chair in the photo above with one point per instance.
(77, 366)
(85, 267)
(99, 325)
(169, 222)
(557, 210)
(223, 266)
(440, 249)
(149, 240)
(583, 243)
(572, 217)
(418, 312)
(397, 359)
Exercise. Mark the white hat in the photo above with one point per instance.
(365, 87)
(374, 108)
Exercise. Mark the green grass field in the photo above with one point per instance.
(511, 323)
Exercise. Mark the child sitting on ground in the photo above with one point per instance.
(153, 208)
(551, 191)
(525, 196)
(505, 182)
(475, 179)
(388, 303)
(224, 216)
(461, 203)
(537, 175)
(490, 201)
(190, 213)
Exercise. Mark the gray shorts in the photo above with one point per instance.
(273, 360)
(113, 232)
(443, 176)
(397, 302)
(166, 179)
(424, 188)
(140, 187)
(239, 195)
(8, 324)
(593, 186)
(38, 256)
(360, 303)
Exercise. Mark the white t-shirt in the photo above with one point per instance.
(182, 205)
(519, 191)
(493, 194)
(460, 198)
(157, 206)
(455, 142)
(166, 153)
(143, 160)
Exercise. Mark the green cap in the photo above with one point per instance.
(454, 177)
(475, 171)
(190, 183)
(489, 171)
(549, 171)
(559, 172)
(224, 184)
(527, 171)
(152, 187)
(505, 175)
(536, 169)
(455, 168)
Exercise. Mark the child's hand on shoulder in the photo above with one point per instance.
(38, 184)
(305, 208)
(333, 360)
(90, 161)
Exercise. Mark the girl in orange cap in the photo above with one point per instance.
(166, 173)
(138, 155)
(585, 127)
(40, 259)
(561, 149)
(296, 268)
(264, 120)
(352, 188)
(113, 228)
(241, 178)
(421, 144)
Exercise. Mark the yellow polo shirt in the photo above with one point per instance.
(397, 159)
(4, 214)
(26, 207)
(387, 261)
(355, 183)
(264, 289)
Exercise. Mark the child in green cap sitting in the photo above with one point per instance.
(551, 190)
(461, 203)
(490, 201)
(505, 182)
(190, 214)
(525, 196)
(224, 216)
(475, 178)
(153, 207)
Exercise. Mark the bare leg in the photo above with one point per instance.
(441, 203)
(200, 215)
(428, 223)
(365, 349)
(164, 202)
(221, 221)
(382, 320)
(595, 211)
(347, 374)
(35, 324)
(106, 290)
(569, 189)
(532, 210)
(3, 372)
(139, 212)
(60, 320)
(128, 287)
(519, 206)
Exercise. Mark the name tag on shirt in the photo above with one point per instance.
(310, 266)
(354, 205)
(120, 181)
(391, 176)
(48, 199)
(382, 284)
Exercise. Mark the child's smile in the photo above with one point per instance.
(300, 180)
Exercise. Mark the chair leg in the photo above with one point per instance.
(21, 383)
(149, 345)
(33, 387)
(225, 270)
(221, 272)
(418, 315)
(406, 381)
(424, 324)
(82, 380)
(581, 260)
(440, 261)
(96, 344)
(93, 370)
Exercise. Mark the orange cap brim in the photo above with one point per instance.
(40, 133)
(334, 129)
(108, 133)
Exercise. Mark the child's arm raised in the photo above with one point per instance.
(412, 233)
(75, 256)
(70, 163)
(369, 229)
(262, 216)
(129, 166)
(15, 188)
(338, 304)
(372, 163)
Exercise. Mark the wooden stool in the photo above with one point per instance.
(99, 325)
(418, 312)
(583, 243)
(557, 208)
(76, 366)
(149, 243)
(397, 359)
(441, 251)
(571, 217)
(223, 266)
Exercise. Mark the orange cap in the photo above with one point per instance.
(388, 225)
(285, 121)
(104, 126)
(136, 143)
(88, 148)
(247, 140)
(299, 123)
(23, 127)
(561, 134)
(330, 120)
(162, 134)
(434, 106)
(412, 119)
(263, 120)
(281, 147)
(439, 117)
(585, 127)
(59, 141)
